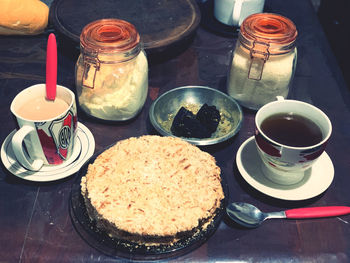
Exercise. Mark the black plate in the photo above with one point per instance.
(161, 23)
(126, 249)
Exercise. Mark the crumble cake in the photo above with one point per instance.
(152, 190)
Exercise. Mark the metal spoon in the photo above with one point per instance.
(250, 216)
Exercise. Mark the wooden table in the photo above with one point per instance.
(35, 224)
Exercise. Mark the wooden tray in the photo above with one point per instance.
(160, 23)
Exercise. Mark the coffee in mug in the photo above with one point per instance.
(46, 128)
(39, 108)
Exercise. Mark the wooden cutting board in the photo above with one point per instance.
(160, 23)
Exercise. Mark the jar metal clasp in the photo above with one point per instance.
(259, 54)
(91, 66)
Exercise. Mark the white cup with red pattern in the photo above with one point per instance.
(46, 130)
(290, 136)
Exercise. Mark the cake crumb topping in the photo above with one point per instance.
(153, 186)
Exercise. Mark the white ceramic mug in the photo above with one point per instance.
(233, 12)
(285, 164)
(47, 141)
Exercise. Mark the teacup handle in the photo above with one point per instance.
(237, 11)
(17, 147)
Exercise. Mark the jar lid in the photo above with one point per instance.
(109, 36)
(269, 32)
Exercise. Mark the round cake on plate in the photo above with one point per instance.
(152, 190)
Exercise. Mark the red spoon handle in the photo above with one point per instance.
(314, 212)
(51, 67)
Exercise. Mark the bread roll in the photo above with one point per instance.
(23, 17)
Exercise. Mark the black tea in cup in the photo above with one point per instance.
(292, 130)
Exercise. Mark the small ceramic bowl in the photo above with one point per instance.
(166, 106)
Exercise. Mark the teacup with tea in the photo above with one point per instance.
(46, 129)
(290, 136)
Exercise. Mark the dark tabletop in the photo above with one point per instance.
(35, 223)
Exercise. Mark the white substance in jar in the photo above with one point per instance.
(120, 89)
(276, 77)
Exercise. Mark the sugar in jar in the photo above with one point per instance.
(264, 60)
(111, 72)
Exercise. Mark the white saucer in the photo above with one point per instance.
(83, 150)
(315, 181)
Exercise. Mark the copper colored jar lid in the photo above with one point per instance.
(109, 36)
(277, 33)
